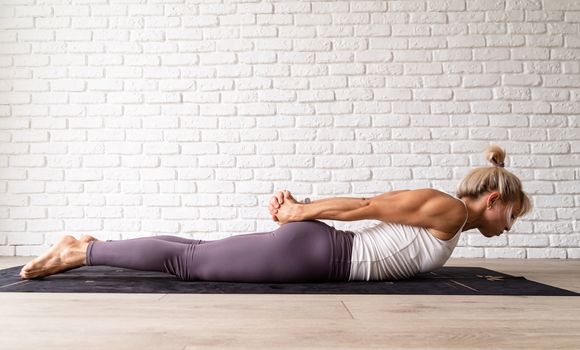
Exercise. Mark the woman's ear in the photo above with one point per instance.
(492, 198)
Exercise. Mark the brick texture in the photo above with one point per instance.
(182, 117)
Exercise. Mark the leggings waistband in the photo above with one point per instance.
(342, 243)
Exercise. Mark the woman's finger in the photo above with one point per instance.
(276, 201)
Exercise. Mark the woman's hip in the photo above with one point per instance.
(322, 240)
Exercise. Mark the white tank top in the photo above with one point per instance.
(389, 251)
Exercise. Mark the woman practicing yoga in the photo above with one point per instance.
(418, 231)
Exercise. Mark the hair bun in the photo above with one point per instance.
(495, 155)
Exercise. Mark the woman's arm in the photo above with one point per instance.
(330, 208)
(292, 210)
(341, 208)
(285, 208)
(427, 208)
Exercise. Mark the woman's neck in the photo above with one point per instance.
(474, 210)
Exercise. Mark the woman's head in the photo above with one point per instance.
(503, 192)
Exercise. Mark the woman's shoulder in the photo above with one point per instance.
(425, 207)
(440, 197)
(451, 212)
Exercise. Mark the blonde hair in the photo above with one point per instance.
(495, 179)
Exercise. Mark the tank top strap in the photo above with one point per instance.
(466, 216)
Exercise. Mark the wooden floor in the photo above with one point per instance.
(202, 321)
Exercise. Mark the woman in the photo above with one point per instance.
(418, 231)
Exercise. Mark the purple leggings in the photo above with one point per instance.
(302, 251)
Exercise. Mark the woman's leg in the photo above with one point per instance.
(295, 252)
(304, 251)
(70, 253)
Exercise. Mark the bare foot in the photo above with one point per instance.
(67, 254)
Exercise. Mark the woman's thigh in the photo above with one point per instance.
(295, 252)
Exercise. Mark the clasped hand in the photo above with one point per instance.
(283, 207)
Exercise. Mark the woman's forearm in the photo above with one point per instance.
(330, 208)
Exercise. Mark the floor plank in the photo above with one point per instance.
(241, 321)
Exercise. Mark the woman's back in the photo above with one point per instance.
(388, 251)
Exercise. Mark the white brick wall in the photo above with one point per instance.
(182, 117)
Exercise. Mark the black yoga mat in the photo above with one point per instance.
(444, 281)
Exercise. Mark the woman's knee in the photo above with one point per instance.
(179, 263)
